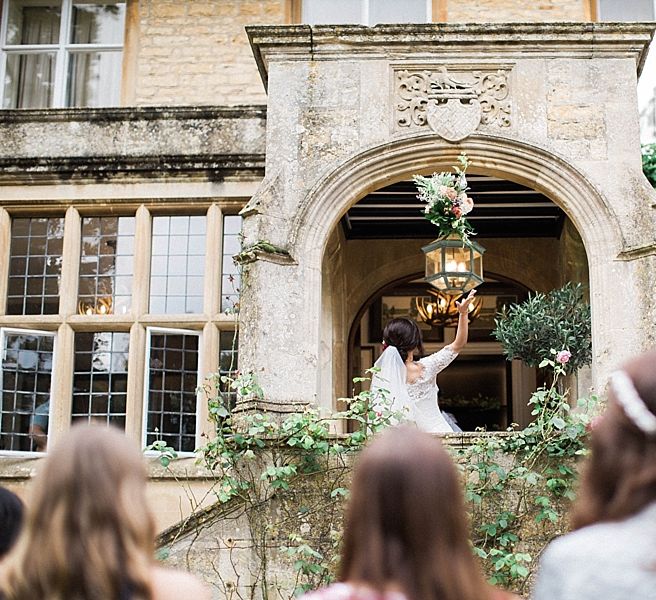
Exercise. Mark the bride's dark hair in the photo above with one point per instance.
(404, 335)
(406, 526)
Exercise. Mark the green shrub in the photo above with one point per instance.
(649, 162)
(558, 320)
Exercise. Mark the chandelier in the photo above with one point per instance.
(102, 306)
(439, 309)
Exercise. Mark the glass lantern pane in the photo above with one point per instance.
(477, 267)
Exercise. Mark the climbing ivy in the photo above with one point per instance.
(525, 480)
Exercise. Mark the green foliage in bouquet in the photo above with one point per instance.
(561, 318)
(447, 202)
(649, 162)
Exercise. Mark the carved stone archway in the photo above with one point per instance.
(333, 136)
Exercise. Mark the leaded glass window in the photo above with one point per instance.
(100, 380)
(35, 264)
(171, 410)
(106, 265)
(25, 382)
(228, 356)
(177, 265)
(230, 280)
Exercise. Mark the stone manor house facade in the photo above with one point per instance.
(138, 138)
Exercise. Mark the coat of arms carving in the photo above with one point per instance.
(453, 105)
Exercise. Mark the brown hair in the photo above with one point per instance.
(405, 524)
(404, 335)
(88, 533)
(619, 478)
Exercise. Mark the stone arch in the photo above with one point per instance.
(510, 159)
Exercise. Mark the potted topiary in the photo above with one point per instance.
(556, 321)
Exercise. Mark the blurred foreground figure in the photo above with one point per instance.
(612, 555)
(88, 533)
(406, 534)
(11, 520)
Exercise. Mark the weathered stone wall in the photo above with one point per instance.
(146, 142)
(222, 543)
(197, 52)
(499, 11)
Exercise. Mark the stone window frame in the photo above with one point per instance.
(438, 10)
(63, 50)
(68, 321)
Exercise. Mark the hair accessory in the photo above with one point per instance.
(633, 405)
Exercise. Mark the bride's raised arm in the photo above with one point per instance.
(462, 333)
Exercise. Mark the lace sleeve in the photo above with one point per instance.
(437, 362)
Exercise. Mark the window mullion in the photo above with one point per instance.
(213, 260)
(62, 383)
(142, 251)
(5, 243)
(209, 364)
(61, 68)
(134, 419)
(70, 264)
(4, 17)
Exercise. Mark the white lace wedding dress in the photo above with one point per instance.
(416, 401)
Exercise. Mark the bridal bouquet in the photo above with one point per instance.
(447, 202)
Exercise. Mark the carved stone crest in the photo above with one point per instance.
(453, 105)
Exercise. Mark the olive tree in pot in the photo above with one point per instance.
(546, 324)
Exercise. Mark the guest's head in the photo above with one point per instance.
(405, 523)
(11, 519)
(404, 335)
(88, 532)
(620, 476)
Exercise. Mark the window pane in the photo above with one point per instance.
(29, 24)
(100, 378)
(621, 10)
(178, 247)
(94, 78)
(230, 282)
(98, 23)
(106, 261)
(35, 244)
(172, 381)
(25, 387)
(29, 80)
(228, 356)
(397, 11)
(333, 12)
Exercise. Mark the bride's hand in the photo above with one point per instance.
(463, 306)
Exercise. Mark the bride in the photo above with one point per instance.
(411, 384)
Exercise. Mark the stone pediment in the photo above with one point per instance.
(470, 42)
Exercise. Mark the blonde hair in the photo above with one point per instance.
(88, 533)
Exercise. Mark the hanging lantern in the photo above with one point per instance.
(440, 309)
(454, 266)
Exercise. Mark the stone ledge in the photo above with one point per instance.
(132, 113)
(215, 168)
(450, 41)
(94, 144)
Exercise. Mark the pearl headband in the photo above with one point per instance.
(633, 405)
